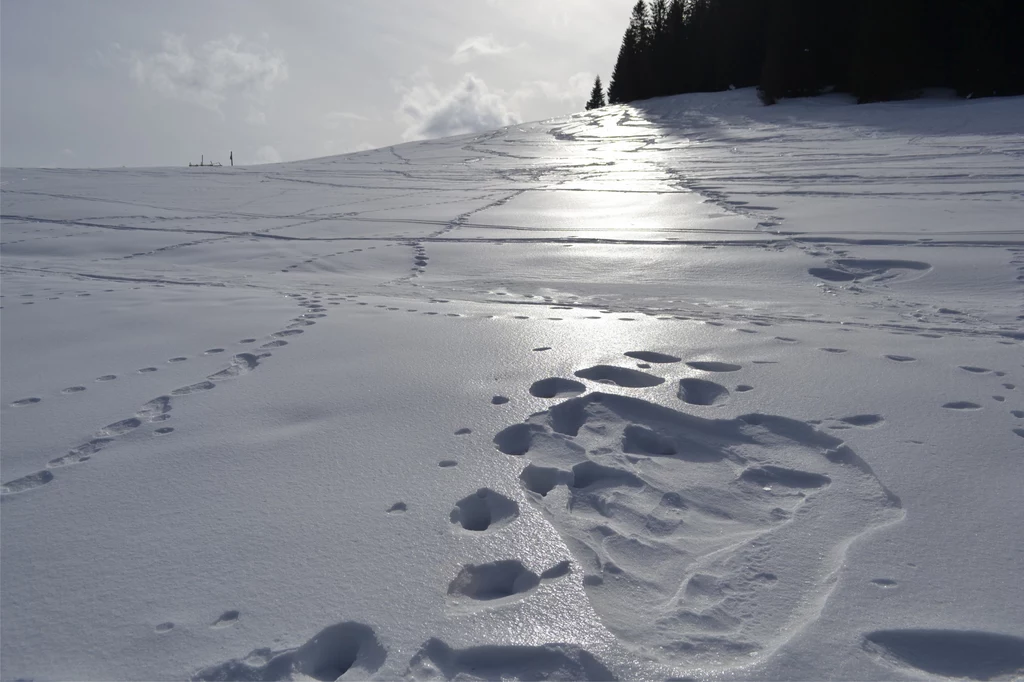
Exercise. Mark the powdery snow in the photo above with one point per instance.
(691, 388)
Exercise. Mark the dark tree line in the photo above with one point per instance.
(874, 49)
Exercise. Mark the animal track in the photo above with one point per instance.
(556, 387)
(328, 655)
(484, 510)
(499, 400)
(26, 401)
(619, 376)
(397, 507)
(107, 377)
(901, 358)
(702, 392)
(73, 389)
(693, 533)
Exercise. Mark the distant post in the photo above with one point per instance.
(231, 156)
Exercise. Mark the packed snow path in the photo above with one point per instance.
(691, 388)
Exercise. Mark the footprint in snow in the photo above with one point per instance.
(702, 392)
(226, 619)
(340, 649)
(971, 654)
(962, 405)
(619, 376)
(652, 356)
(484, 510)
(714, 366)
(719, 510)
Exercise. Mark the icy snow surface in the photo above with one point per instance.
(694, 388)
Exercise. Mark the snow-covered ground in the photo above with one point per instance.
(692, 388)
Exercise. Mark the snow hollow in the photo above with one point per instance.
(689, 388)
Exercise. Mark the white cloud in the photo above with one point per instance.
(212, 73)
(256, 117)
(267, 154)
(468, 107)
(478, 46)
(577, 89)
(336, 119)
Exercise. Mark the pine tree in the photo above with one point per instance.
(640, 75)
(596, 95)
(621, 88)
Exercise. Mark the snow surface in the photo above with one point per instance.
(690, 388)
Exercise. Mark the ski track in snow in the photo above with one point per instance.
(701, 542)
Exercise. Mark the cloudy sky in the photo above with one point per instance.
(147, 83)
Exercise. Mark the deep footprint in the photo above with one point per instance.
(556, 387)
(20, 485)
(496, 580)
(712, 366)
(651, 356)
(226, 619)
(962, 405)
(702, 392)
(684, 527)
(436, 659)
(620, 376)
(194, 388)
(329, 654)
(484, 510)
(951, 653)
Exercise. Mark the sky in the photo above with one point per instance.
(146, 83)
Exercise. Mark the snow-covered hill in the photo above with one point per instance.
(691, 388)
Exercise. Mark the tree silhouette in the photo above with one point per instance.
(874, 49)
(596, 95)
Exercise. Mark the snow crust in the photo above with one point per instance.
(692, 388)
